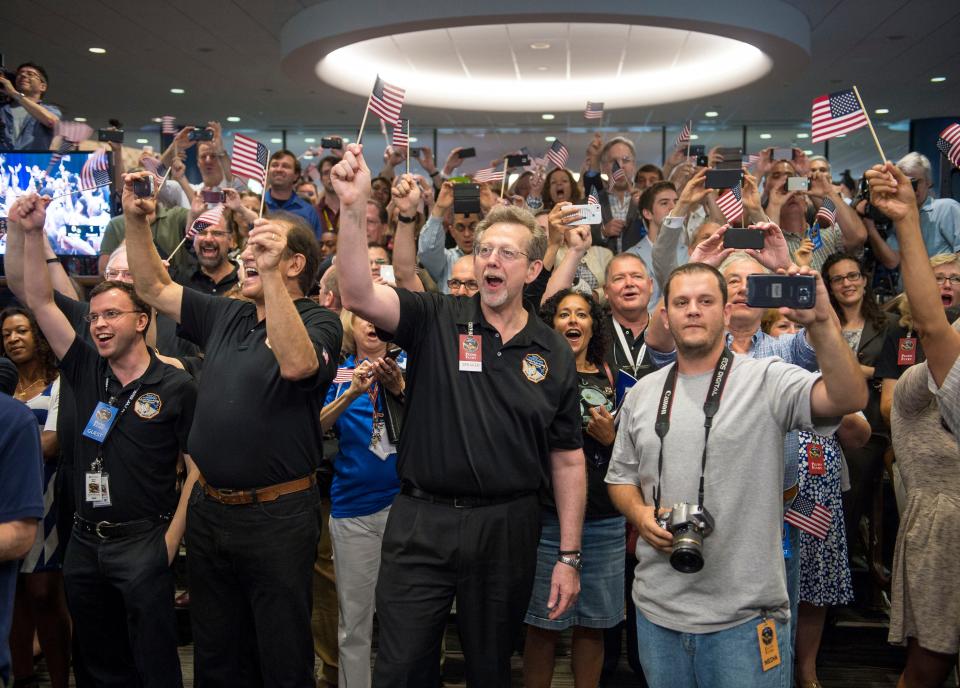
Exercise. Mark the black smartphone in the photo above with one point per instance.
(143, 187)
(467, 153)
(414, 152)
(723, 179)
(697, 149)
(393, 353)
(212, 196)
(466, 199)
(703, 161)
(518, 160)
(331, 143)
(111, 135)
(740, 237)
(201, 133)
(776, 291)
(730, 158)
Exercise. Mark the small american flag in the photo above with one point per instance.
(72, 131)
(155, 167)
(386, 101)
(488, 174)
(210, 218)
(730, 203)
(168, 124)
(809, 517)
(593, 111)
(593, 199)
(95, 171)
(949, 143)
(836, 114)
(557, 153)
(249, 158)
(400, 138)
(683, 138)
(827, 215)
(752, 159)
(65, 147)
(343, 375)
(618, 174)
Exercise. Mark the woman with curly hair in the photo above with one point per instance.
(40, 604)
(579, 319)
(561, 186)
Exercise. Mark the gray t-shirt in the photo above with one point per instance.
(948, 395)
(743, 573)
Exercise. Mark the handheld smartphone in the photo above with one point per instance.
(518, 160)
(783, 154)
(212, 196)
(730, 158)
(589, 214)
(776, 291)
(703, 161)
(143, 187)
(331, 143)
(467, 153)
(111, 135)
(723, 179)
(738, 237)
(414, 152)
(201, 133)
(697, 149)
(387, 274)
(466, 199)
(798, 184)
(393, 352)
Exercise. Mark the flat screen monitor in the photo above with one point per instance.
(75, 222)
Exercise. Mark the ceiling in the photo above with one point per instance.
(227, 56)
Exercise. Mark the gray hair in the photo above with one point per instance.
(739, 257)
(916, 163)
(613, 142)
(512, 215)
(622, 256)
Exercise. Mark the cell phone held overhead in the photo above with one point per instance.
(144, 187)
(723, 179)
(779, 291)
(110, 135)
(798, 184)
(331, 143)
(741, 238)
(200, 133)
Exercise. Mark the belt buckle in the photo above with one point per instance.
(96, 529)
(458, 503)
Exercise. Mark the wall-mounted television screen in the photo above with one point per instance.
(75, 222)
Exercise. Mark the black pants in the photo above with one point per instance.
(485, 557)
(120, 595)
(251, 575)
(866, 470)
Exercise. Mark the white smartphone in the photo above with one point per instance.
(589, 215)
(798, 184)
(387, 274)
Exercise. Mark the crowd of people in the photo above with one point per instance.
(353, 396)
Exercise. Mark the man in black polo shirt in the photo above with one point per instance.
(214, 272)
(492, 416)
(129, 521)
(253, 523)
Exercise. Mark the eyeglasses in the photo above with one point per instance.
(112, 274)
(214, 234)
(108, 316)
(31, 74)
(625, 160)
(849, 277)
(508, 255)
(954, 280)
(454, 284)
(379, 261)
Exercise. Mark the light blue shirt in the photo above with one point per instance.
(433, 256)
(939, 226)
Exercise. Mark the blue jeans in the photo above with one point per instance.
(793, 579)
(724, 659)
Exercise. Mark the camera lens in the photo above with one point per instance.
(687, 555)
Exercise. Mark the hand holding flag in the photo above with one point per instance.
(948, 143)
(593, 111)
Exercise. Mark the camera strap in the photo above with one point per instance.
(710, 407)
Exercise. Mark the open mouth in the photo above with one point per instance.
(103, 338)
(946, 298)
(250, 271)
(493, 282)
(574, 335)
(209, 251)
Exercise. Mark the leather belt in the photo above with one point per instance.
(257, 495)
(790, 493)
(105, 530)
(465, 502)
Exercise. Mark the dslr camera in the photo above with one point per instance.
(689, 524)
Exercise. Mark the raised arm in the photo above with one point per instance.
(150, 277)
(578, 243)
(378, 304)
(891, 192)
(406, 194)
(430, 250)
(851, 226)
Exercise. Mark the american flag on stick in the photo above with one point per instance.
(948, 143)
(618, 174)
(249, 158)
(683, 138)
(400, 138)
(730, 203)
(72, 131)
(593, 199)
(65, 147)
(835, 114)
(343, 375)
(155, 167)
(488, 174)
(827, 215)
(95, 171)
(168, 124)
(809, 517)
(593, 111)
(557, 153)
(209, 218)
(386, 101)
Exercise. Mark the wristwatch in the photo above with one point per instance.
(570, 558)
(405, 219)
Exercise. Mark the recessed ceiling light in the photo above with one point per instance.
(276, 140)
(542, 68)
(158, 120)
(547, 115)
(177, 91)
(711, 113)
(803, 135)
(694, 137)
(765, 136)
(808, 152)
(310, 140)
(539, 46)
(882, 111)
(97, 51)
(549, 139)
(143, 140)
(412, 139)
(79, 119)
(938, 79)
(233, 118)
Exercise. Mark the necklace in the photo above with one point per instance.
(24, 391)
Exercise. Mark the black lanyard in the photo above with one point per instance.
(113, 400)
(710, 408)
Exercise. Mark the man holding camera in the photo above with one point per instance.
(431, 253)
(710, 584)
(26, 124)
